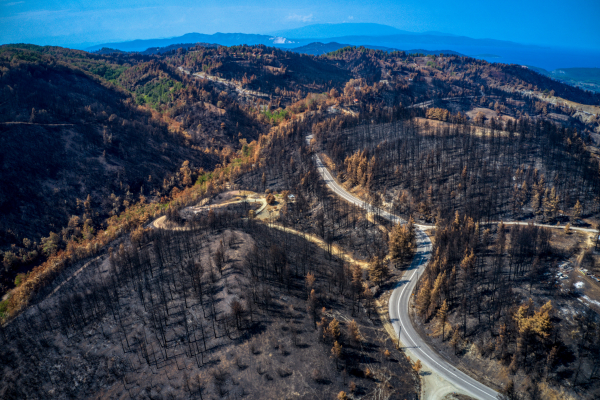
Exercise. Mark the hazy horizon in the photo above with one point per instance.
(71, 23)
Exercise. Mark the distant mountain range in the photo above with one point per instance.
(157, 50)
(379, 36)
(353, 34)
(318, 48)
(224, 39)
(323, 31)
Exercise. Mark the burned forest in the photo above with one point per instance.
(212, 222)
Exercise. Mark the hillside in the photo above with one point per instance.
(82, 137)
(88, 149)
(128, 121)
(167, 231)
(228, 327)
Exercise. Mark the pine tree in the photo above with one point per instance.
(362, 171)
(334, 329)
(378, 270)
(536, 203)
(396, 241)
(310, 281)
(424, 298)
(468, 262)
(542, 321)
(369, 301)
(524, 194)
(442, 316)
(436, 292)
(455, 340)
(456, 222)
(357, 277)
(551, 360)
(577, 210)
(554, 202)
(336, 352)
(403, 241)
(354, 332)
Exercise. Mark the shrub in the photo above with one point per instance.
(20, 279)
(3, 308)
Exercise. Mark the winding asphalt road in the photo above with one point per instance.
(399, 301)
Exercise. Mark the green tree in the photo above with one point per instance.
(50, 244)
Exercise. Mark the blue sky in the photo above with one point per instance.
(573, 23)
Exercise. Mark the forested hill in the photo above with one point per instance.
(85, 136)
(67, 134)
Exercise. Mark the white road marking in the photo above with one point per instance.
(460, 378)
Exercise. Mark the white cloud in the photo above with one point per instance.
(14, 3)
(350, 17)
(300, 18)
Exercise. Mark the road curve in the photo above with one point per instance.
(399, 300)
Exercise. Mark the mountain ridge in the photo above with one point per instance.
(319, 48)
(322, 31)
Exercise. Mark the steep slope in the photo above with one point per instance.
(66, 134)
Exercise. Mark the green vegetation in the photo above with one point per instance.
(109, 72)
(3, 309)
(246, 150)
(20, 278)
(276, 117)
(207, 176)
(156, 93)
